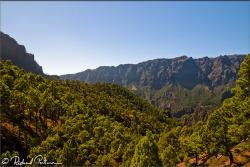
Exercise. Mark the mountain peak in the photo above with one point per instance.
(11, 50)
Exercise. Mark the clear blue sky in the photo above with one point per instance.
(68, 37)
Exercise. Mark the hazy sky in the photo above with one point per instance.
(68, 37)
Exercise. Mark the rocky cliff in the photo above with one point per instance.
(11, 50)
(155, 74)
(188, 88)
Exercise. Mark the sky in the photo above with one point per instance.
(69, 37)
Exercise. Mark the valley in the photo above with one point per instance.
(188, 88)
(162, 112)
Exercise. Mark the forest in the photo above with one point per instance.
(190, 88)
(80, 124)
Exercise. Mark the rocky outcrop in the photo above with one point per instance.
(11, 50)
(155, 74)
(189, 88)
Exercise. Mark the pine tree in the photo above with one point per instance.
(146, 153)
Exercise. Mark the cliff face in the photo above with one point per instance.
(11, 50)
(155, 74)
(188, 88)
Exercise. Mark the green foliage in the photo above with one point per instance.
(188, 105)
(190, 88)
(229, 125)
(226, 127)
(73, 122)
(169, 147)
(106, 125)
(146, 153)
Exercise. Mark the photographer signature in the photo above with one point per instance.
(39, 159)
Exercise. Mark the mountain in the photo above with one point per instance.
(183, 85)
(11, 50)
(155, 74)
(80, 124)
(104, 120)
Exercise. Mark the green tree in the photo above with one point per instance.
(146, 153)
(169, 147)
(229, 125)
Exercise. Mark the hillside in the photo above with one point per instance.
(104, 124)
(81, 124)
(188, 88)
(11, 50)
(183, 85)
(105, 118)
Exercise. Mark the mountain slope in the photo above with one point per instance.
(104, 119)
(183, 85)
(79, 124)
(11, 50)
(155, 74)
(104, 124)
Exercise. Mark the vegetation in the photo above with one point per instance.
(190, 88)
(73, 122)
(190, 105)
(104, 124)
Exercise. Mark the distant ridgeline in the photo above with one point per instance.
(81, 124)
(183, 84)
(155, 74)
(188, 88)
(11, 50)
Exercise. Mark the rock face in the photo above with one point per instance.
(11, 50)
(155, 74)
(187, 88)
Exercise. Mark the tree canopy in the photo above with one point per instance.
(106, 125)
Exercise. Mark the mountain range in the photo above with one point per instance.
(102, 124)
(183, 85)
(155, 74)
(186, 87)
